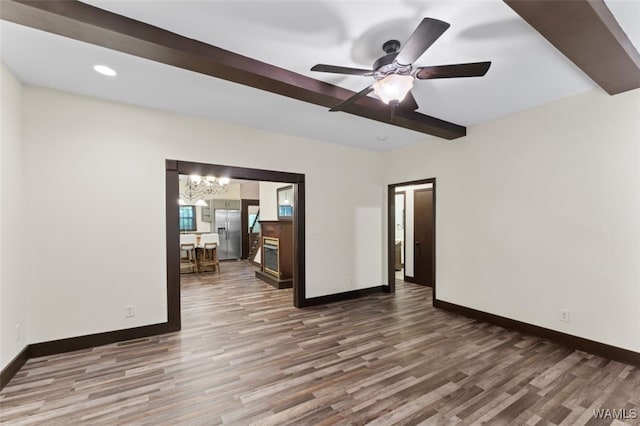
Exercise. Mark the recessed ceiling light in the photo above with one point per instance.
(104, 70)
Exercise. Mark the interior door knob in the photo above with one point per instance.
(417, 243)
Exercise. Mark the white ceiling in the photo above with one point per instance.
(526, 70)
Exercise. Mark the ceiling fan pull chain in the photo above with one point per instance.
(394, 104)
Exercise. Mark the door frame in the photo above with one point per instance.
(173, 169)
(391, 221)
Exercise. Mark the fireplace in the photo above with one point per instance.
(271, 261)
(277, 253)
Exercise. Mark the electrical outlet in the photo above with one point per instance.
(129, 311)
(564, 315)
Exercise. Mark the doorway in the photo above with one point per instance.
(423, 234)
(418, 242)
(249, 213)
(175, 168)
(400, 231)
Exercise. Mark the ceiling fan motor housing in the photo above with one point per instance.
(391, 46)
(387, 65)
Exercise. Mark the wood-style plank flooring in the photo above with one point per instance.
(246, 356)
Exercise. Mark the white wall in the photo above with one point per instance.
(269, 199)
(13, 293)
(201, 225)
(250, 190)
(116, 153)
(409, 225)
(540, 211)
(400, 201)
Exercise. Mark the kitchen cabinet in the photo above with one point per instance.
(225, 204)
(206, 214)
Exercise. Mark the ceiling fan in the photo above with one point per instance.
(394, 72)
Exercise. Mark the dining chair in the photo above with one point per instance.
(208, 252)
(188, 258)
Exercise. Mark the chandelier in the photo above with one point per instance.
(199, 187)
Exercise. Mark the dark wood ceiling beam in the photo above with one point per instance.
(587, 33)
(89, 24)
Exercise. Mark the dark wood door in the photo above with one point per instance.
(424, 237)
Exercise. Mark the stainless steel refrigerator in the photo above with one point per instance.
(227, 225)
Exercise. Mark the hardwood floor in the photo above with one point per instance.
(245, 355)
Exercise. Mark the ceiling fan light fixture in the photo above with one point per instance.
(393, 88)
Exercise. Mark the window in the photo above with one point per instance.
(285, 203)
(285, 212)
(187, 218)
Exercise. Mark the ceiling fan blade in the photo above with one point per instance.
(361, 94)
(475, 69)
(408, 103)
(424, 36)
(341, 70)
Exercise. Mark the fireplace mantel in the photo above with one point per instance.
(276, 269)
